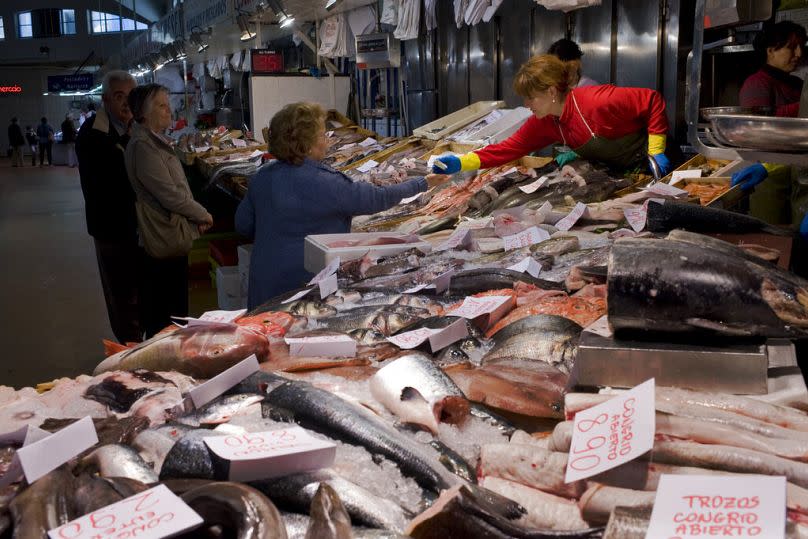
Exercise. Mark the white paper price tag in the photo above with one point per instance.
(407, 200)
(239, 143)
(332, 267)
(206, 392)
(256, 153)
(600, 327)
(459, 237)
(370, 141)
(222, 316)
(23, 436)
(417, 288)
(494, 306)
(679, 175)
(525, 238)
(151, 514)
(346, 146)
(438, 338)
(261, 455)
(45, 455)
(527, 265)
(298, 295)
(689, 506)
(612, 433)
(367, 166)
(475, 224)
(663, 189)
(323, 346)
(329, 134)
(509, 171)
(534, 186)
(328, 285)
(580, 210)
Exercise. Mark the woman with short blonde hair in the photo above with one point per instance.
(620, 127)
(299, 196)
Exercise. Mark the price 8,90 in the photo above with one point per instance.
(612, 433)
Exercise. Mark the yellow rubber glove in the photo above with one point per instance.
(656, 144)
(469, 161)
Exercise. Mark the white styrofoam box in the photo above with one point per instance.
(317, 254)
(450, 123)
(500, 129)
(244, 252)
(228, 289)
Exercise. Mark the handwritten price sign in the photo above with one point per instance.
(438, 338)
(153, 514)
(525, 238)
(261, 455)
(719, 506)
(322, 346)
(580, 210)
(612, 433)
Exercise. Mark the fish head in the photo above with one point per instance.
(210, 349)
(788, 302)
(421, 302)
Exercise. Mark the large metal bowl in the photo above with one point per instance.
(708, 112)
(763, 132)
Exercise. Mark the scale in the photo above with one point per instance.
(741, 369)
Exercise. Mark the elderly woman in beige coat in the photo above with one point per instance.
(158, 180)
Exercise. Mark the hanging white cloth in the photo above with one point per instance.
(333, 36)
(390, 12)
(362, 20)
(214, 69)
(246, 62)
(236, 59)
(475, 10)
(430, 18)
(489, 13)
(567, 5)
(409, 20)
(460, 11)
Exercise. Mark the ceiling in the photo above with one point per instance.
(148, 9)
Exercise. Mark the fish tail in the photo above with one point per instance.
(112, 348)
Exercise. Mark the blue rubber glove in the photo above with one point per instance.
(663, 163)
(804, 227)
(566, 157)
(452, 163)
(750, 176)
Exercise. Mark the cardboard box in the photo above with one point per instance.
(457, 120)
(317, 254)
(228, 289)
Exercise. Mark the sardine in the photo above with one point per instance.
(297, 492)
(220, 410)
(418, 392)
(481, 280)
(675, 286)
(237, 509)
(44, 505)
(329, 519)
(117, 460)
(328, 414)
(670, 215)
(548, 338)
(202, 351)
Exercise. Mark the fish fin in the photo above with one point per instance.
(112, 347)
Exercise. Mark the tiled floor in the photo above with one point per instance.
(53, 312)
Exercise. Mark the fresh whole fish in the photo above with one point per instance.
(328, 414)
(386, 319)
(480, 280)
(447, 456)
(117, 460)
(190, 458)
(297, 491)
(239, 510)
(153, 447)
(44, 505)
(204, 351)
(492, 418)
(671, 215)
(329, 519)
(419, 392)
(220, 410)
(556, 246)
(548, 338)
(93, 492)
(675, 286)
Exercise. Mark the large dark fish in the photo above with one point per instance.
(329, 519)
(544, 337)
(480, 280)
(46, 504)
(190, 458)
(460, 513)
(121, 390)
(93, 493)
(324, 412)
(387, 319)
(676, 286)
(667, 216)
(239, 510)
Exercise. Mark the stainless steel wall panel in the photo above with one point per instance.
(637, 43)
(453, 73)
(483, 62)
(593, 32)
(548, 26)
(419, 62)
(421, 107)
(514, 24)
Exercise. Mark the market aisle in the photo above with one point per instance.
(53, 308)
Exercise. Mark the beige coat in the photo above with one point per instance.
(157, 176)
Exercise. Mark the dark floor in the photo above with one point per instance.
(54, 316)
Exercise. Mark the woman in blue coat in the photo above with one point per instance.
(298, 196)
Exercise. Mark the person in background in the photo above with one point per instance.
(773, 85)
(33, 140)
(568, 51)
(44, 133)
(69, 139)
(16, 140)
(298, 196)
(109, 203)
(159, 180)
(620, 127)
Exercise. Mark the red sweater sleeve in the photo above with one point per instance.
(534, 135)
(756, 92)
(792, 110)
(644, 104)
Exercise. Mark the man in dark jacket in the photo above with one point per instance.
(16, 141)
(110, 203)
(69, 140)
(45, 134)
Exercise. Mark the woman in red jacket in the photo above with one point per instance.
(620, 127)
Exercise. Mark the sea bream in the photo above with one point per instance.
(548, 338)
(203, 351)
(677, 286)
(418, 392)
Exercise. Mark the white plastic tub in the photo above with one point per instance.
(317, 254)
(228, 288)
(442, 127)
(500, 129)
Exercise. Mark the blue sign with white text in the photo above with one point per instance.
(70, 83)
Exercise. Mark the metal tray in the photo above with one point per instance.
(763, 132)
(708, 112)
